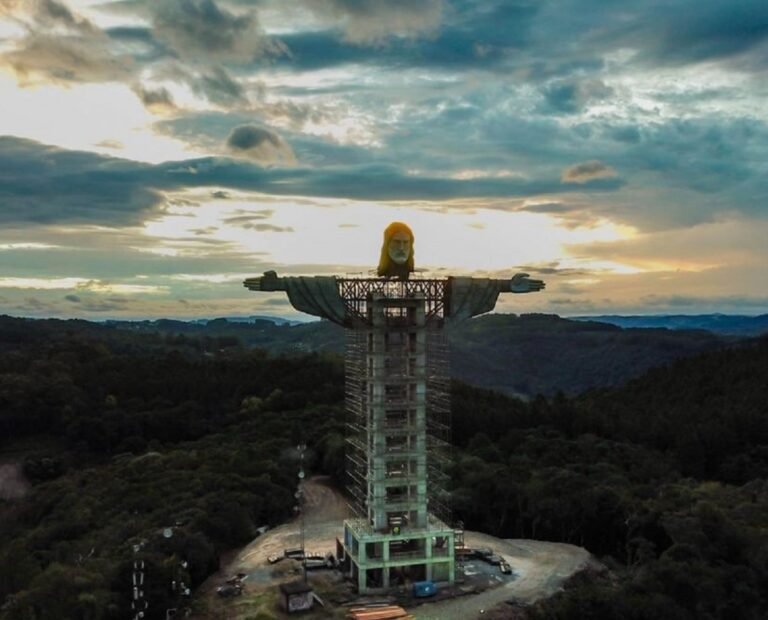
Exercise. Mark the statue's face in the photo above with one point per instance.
(399, 248)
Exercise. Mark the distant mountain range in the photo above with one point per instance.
(717, 323)
(520, 355)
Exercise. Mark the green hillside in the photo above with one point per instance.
(665, 479)
(124, 433)
(519, 355)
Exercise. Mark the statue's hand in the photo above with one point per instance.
(268, 282)
(521, 283)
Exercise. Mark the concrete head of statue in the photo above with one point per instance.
(397, 252)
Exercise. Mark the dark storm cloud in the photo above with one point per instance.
(587, 171)
(708, 155)
(44, 184)
(202, 30)
(371, 21)
(570, 96)
(52, 12)
(218, 86)
(452, 48)
(259, 144)
(247, 137)
(157, 98)
(709, 31)
(545, 40)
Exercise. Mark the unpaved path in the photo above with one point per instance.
(324, 510)
(540, 569)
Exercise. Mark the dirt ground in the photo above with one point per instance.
(539, 568)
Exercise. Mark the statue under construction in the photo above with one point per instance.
(397, 401)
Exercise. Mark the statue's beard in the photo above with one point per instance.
(399, 257)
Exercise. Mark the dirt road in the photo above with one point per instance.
(324, 510)
(540, 569)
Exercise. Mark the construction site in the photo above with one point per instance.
(388, 548)
(538, 569)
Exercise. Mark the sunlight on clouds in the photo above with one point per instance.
(8, 32)
(27, 246)
(42, 283)
(97, 286)
(212, 278)
(80, 117)
(303, 232)
(79, 284)
(670, 93)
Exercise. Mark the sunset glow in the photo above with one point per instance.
(154, 154)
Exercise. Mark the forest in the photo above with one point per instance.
(520, 355)
(124, 434)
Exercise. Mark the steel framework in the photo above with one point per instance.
(358, 295)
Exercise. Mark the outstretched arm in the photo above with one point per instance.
(468, 297)
(521, 283)
(268, 282)
(315, 295)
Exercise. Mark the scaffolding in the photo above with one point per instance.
(358, 295)
(398, 440)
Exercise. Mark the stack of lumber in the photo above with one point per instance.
(390, 612)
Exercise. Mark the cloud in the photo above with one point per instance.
(735, 241)
(260, 145)
(73, 298)
(78, 186)
(203, 31)
(157, 99)
(268, 228)
(51, 12)
(372, 21)
(62, 46)
(248, 217)
(716, 30)
(110, 144)
(572, 95)
(218, 86)
(87, 187)
(587, 171)
(67, 58)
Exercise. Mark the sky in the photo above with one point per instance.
(154, 153)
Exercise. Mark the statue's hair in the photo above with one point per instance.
(385, 262)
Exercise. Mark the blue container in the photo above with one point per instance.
(422, 589)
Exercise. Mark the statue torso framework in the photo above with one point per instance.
(343, 300)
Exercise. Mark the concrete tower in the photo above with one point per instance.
(397, 408)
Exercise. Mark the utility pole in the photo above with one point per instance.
(302, 447)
